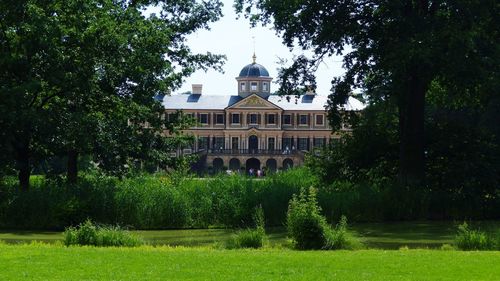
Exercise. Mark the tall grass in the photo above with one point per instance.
(473, 239)
(90, 234)
(150, 202)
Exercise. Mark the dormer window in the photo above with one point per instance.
(253, 86)
(265, 87)
(243, 86)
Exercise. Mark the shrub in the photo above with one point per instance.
(306, 226)
(88, 233)
(468, 239)
(310, 230)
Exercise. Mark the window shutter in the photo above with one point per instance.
(209, 115)
(258, 119)
(248, 118)
(265, 119)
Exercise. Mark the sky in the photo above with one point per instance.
(233, 38)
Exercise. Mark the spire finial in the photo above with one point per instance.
(254, 57)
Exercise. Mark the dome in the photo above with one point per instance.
(254, 70)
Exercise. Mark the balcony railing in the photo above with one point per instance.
(251, 152)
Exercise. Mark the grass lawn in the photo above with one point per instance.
(55, 262)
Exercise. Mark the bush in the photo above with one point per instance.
(250, 238)
(468, 239)
(88, 233)
(306, 226)
(310, 230)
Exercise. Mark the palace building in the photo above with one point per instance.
(255, 129)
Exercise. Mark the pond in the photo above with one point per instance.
(373, 235)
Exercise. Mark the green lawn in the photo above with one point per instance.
(55, 262)
(386, 235)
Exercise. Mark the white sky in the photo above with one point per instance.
(233, 38)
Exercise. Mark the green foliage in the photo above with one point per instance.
(473, 240)
(88, 233)
(396, 63)
(151, 202)
(310, 230)
(250, 238)
(247, 238)
(341, 238)
(85, 78)
(305, 225)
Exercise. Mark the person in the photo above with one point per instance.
(259, 173)
(251, 172)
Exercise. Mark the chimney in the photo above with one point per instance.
(310, 91)
(196, 89)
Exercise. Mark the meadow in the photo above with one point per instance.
(56, 262)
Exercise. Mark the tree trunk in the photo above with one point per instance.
(411, 125)
(23, 164)
(72, 166)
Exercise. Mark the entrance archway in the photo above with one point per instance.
(253, 163)
(218, 164)
(287, 164)
(234, 164)
(253, 143)
(271, 165)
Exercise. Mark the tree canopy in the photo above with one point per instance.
(393, 51)
(81, 77)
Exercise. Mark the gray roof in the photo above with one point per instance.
(211, 102)
(254, 70)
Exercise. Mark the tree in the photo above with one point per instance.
(393, 50)
(73, 72)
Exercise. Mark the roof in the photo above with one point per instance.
(220, 102)
(254, 70)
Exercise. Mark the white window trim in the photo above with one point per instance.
(256, 86)
(316, 119)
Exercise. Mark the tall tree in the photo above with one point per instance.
(72, 71)
(392, 47)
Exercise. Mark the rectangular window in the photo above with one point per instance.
(202, 143)
(270, 143)
(234, 143)
(218, 143)
(320, 119)
(264, 87)
(253, 119)
(243, 86)
(287, 144)
(219, 119)
(319, 142)
(303, 143)
(303, 119)
(271, 119)
(253, 86)
(203, 118)
(287, 119)
(235, 118)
